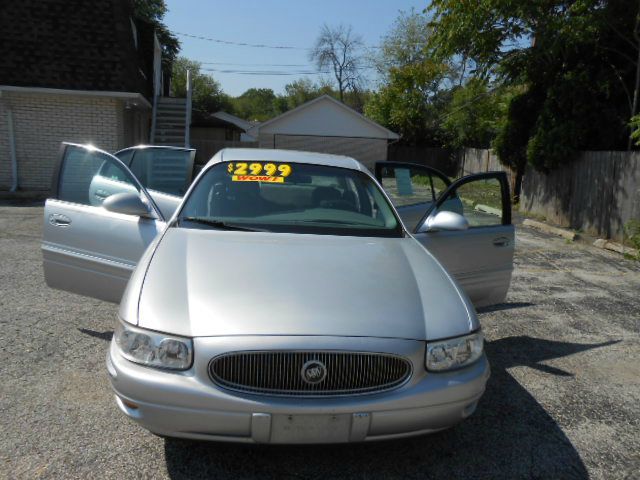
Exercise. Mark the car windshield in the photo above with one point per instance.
(289, 197)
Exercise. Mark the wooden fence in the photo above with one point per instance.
(454, 163)
(444, 159)
(598, 193)
(476, 160)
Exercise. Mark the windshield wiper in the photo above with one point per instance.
(219, 224)
(336, 222)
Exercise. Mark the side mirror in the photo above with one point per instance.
(127, 203)
(444, 220)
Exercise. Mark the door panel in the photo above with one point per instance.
(87, 249)
(479, 258)
(482, 269)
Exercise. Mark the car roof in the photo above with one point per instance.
(292, 156)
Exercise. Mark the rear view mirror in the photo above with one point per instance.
(444, 220)
(128, 204)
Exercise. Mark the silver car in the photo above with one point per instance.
(287, 297)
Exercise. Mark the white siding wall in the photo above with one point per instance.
(365, 150)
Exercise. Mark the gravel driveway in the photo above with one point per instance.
(563, 400)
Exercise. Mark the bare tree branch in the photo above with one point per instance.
(339, 48)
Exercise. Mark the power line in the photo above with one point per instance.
(240, 44)
(282, 47)
(265, 72)
(256, 64)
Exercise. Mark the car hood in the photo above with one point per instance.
(203, 282)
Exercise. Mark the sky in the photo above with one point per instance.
(275, 23)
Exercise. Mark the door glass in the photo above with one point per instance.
(125, 156)
(407, 186)
(88, 177)
(479, 201)
(162, 170)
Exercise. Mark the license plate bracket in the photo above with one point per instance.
(310, 428)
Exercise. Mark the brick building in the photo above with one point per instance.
(76, 71)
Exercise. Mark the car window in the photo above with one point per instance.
(408, 186)
(292, 197)
(125, 156)
(114, 172)
(162, 170)
(479, 201)
(88, 177)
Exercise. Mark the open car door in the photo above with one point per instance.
(88, 249)
(465, 224)
(166, 172)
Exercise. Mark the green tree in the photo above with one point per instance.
(577, 61)
(405, 44)
(412, 101)
(153, 11)
(635, 129)
(207, 95)
(415, 87)
(301, 91)
(256, 104)
(475, 114)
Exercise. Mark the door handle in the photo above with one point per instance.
(59, 220)
(501, 242)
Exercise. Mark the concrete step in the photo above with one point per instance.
(171, 111)
(170, 128)
(171, 100)
(171, 106)
(171, 118)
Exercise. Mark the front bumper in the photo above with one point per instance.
(187, 404)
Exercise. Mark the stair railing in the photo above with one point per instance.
(187, 120)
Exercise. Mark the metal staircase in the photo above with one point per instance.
(171, 114)
(172, 119)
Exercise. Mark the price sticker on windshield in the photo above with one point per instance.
(259, 172)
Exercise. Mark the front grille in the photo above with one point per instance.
(337, 373)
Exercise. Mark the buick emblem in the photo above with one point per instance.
(313, 372)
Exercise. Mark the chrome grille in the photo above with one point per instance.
(281, 373)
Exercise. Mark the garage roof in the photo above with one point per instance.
(324, 116)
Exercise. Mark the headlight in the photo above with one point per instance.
(454, 353)
(152, 348)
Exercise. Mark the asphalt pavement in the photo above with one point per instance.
(563, 400)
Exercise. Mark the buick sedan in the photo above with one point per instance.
(286, 297)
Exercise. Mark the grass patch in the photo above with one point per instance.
(632, 236)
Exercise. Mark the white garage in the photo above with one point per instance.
(328, 126)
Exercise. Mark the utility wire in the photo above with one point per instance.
(265, 72)
(240, 44)
(281, 47)
(256, 64)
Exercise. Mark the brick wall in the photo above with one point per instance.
(42, 121)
